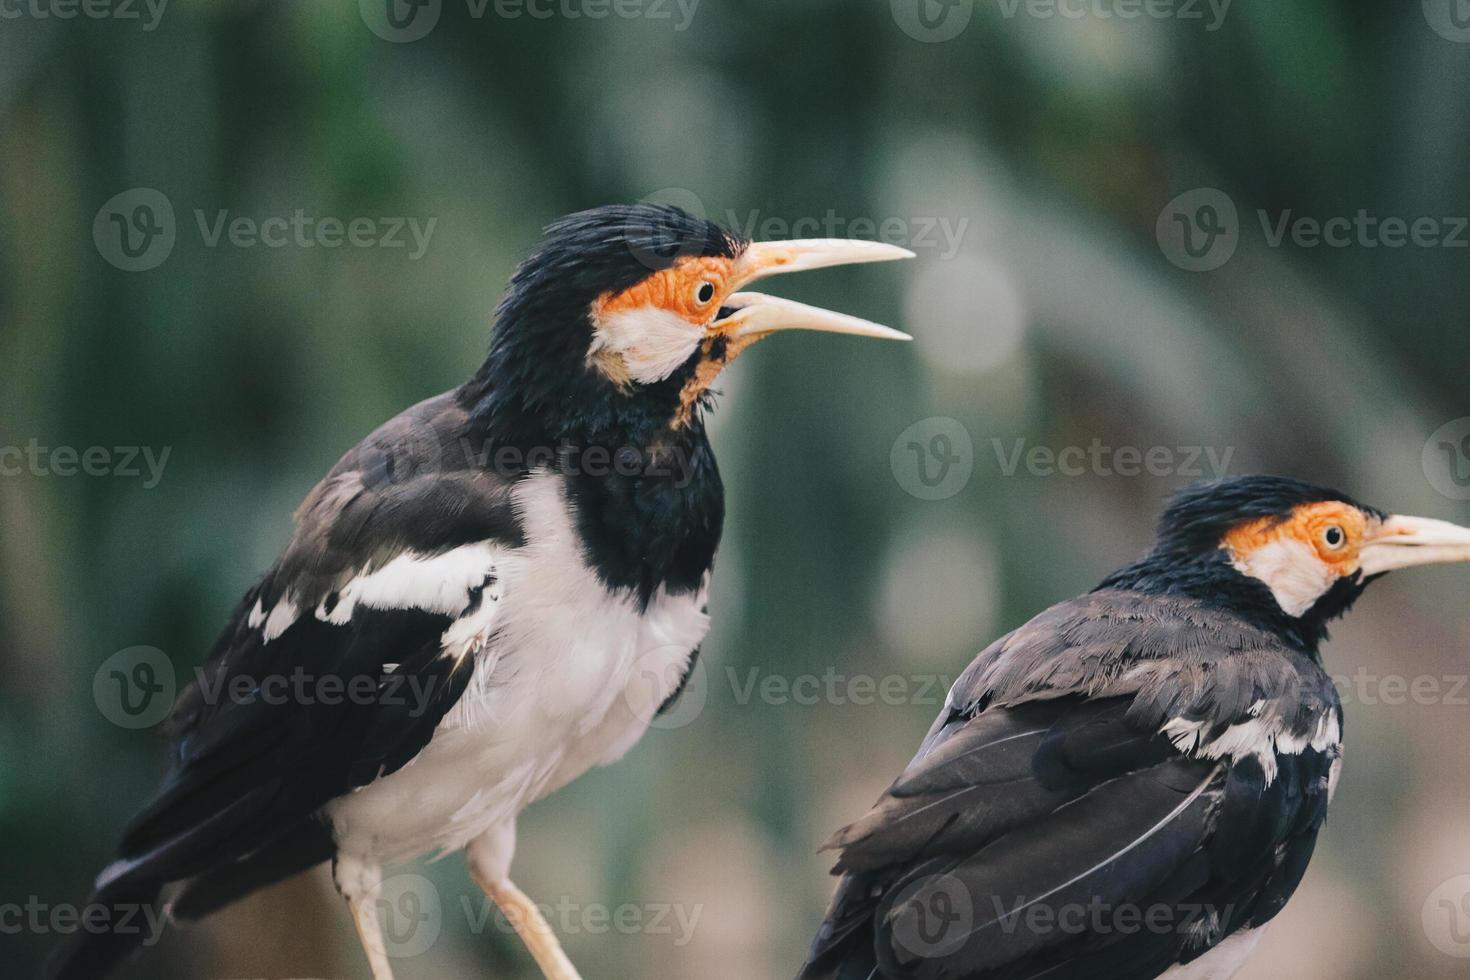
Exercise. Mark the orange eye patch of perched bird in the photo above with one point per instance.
(1333, 530)
(691, 288)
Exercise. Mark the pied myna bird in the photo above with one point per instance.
(1131, 784)
(503, 585)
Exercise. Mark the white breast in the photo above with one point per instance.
(570, 678)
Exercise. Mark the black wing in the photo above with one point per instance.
(310, 692)
(1047, 828)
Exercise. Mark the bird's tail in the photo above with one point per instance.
(131, 916)
(843, 948)
(130, 891)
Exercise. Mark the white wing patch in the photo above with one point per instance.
(463, 582)
(443, 583)
(1261, 737)
(281, 617)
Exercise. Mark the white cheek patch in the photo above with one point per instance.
(652, 342)
(1291, 570)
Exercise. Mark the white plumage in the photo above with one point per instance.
(568, 675)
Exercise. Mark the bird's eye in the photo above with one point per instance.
(1334, 537)
(704, 292)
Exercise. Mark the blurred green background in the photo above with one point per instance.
(1029, 159)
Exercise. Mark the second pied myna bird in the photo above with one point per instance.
(1131, 784)
(502, 585)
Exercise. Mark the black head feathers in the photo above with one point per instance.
(1198, 516)
(606, 249)
(535, 385)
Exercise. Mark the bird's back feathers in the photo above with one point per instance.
(1120, 756)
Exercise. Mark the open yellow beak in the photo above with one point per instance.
(756, 315)
(1402, 542)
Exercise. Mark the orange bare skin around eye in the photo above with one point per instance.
(1308, 524)
(675, 289)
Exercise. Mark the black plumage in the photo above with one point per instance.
(1167, 742)
(240, 804)
(478, 587)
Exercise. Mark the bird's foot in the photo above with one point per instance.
(532, 927)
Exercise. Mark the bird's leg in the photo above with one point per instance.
(489, 860)
(358, 882)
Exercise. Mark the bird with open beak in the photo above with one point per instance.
(1131, 784)
(502, 586)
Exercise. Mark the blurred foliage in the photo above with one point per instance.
(1054, 143)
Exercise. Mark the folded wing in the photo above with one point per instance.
(1053, 826)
